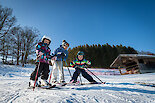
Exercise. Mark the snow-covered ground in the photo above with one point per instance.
(118, 89)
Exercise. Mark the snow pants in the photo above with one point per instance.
(84, 74)
(58, 65)
(43, 71)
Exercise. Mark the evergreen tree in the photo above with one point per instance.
(101, 56)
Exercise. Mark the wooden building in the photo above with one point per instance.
(135, 63)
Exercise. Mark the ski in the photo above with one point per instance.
(79, 84)
(73, 84)
(45, 87)
(93, 83)
(60, 84)
(66, 84)
(146, 84)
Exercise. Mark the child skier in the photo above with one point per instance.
(43, 57)
(79, 63)
(61, 55)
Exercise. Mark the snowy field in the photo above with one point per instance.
(118, 89)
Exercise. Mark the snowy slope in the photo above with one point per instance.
(119, 88)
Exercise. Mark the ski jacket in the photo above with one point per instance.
(61, 54)
(43, 53)
(80, 64)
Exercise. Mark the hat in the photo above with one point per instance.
(64, 43)
(45, 37)
(80, 53)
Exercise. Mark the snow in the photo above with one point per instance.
(118, 89)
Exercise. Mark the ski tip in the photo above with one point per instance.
(103, 82)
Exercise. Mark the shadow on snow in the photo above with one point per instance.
(117, 88)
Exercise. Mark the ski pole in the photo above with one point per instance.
(95, 75)
(68, 70)
(36, 75)
(51, 70)
(62, 69)
(50, 76)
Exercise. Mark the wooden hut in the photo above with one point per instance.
(135, 63)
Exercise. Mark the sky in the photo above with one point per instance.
(79, 22)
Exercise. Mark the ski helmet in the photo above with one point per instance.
(64, 43)
(45, 37)
(80, 53)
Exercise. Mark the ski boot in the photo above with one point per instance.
(54, 82)
(73, 83)
(44, 83)
(63, 83)
(31, 84)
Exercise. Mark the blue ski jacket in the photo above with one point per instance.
(58, 53)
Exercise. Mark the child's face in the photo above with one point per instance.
(46, 41)
(80, 57)
(65, 47)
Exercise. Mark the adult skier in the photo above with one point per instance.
(42, 62)
(79, 64)
(61, 54)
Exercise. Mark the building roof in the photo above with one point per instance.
(138, 56)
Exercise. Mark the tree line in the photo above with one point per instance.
(101, 56)
(15, 41)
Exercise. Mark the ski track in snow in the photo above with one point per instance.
(118, 89)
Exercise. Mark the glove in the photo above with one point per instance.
(50, 63)
(85, 65)
(39, 55)
(62, 54)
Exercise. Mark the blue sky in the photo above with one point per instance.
(126, 22)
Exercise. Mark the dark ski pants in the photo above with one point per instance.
(43, 71)
(84, 74)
